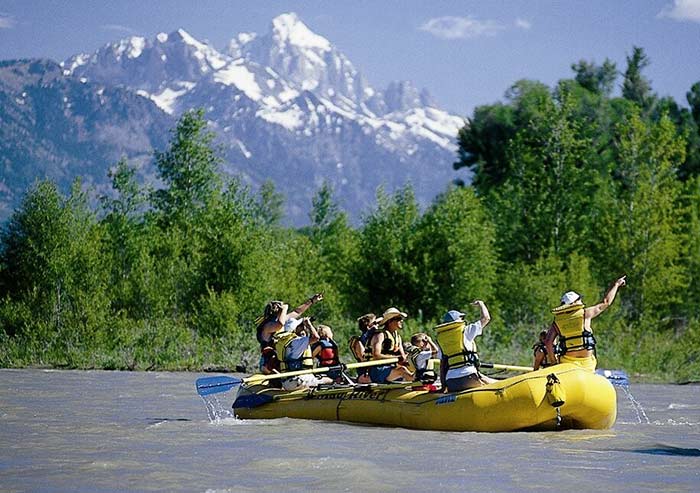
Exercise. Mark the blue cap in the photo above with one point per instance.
(452, 316)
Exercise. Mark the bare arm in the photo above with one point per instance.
(485, 315)
(609, 297)
(358, 349)
(313, 333)
(305, 305)
(433, 346)
(539, 359)
(552, 334)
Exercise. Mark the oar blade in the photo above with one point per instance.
(215, 385)
(615, 377)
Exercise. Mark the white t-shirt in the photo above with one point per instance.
(469, 333)
(421, 359)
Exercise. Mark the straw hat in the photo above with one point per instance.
(392, 313)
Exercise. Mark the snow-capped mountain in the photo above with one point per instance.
(289, 106)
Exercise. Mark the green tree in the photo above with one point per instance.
(635, 86)
(189, 169)
(387, 274)
(52, 263)
(270, 204)
(642, 229)
(455, 252)
(337, 246)
(539, 206)
(483, 141)
(594, 78)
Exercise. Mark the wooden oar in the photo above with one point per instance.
(222, 383)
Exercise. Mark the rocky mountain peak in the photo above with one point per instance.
(289, 29)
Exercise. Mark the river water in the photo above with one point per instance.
(95, 431)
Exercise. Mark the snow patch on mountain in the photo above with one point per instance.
(237, 74)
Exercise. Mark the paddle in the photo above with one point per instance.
(497, 366)
(214, 385)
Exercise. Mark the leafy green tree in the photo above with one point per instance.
(51, 262)
(692, 199)
(539, 206)
(337, 246)
(387, 274)
(270, 204)
(189, 169)
(455, 252)
(642, 229)
(484, 139)
(126, 242)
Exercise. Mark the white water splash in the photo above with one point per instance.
(216, 410)
(638, 409)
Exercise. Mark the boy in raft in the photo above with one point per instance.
(459, 365)
(294, 345)
(572, 328)
(386, 343)
(419, 352)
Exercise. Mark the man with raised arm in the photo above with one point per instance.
(572, 328)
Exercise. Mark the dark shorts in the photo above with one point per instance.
(379, 374)
(463, 383)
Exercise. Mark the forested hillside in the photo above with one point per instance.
(573, 188)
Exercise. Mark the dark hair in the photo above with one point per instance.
(365, 321)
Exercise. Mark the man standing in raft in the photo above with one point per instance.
(572, 326)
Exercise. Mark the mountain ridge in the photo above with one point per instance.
(284, 103)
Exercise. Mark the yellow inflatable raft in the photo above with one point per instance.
(560, 397)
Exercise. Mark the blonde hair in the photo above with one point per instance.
(325, 331)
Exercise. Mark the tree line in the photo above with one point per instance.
(571, 188)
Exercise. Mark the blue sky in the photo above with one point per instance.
(466, 53)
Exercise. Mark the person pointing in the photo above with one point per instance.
(571, 328)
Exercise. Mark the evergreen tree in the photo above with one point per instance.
(597, 79)
(337, 248)
(635, 86)
(539, 206)
(483, 141)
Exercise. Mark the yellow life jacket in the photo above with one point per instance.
(282, 340)
(572, 336)
(391, 344)
(451, 341)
